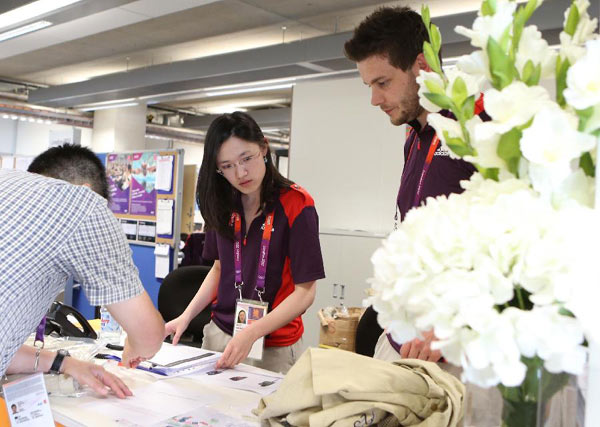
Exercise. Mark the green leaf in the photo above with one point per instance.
(468, 108)
(489, 173)
(432, 58)
(572, 20)
(488, 8)
(531, 73)
(587, 164)
(458, 146)
(425, 16)
(522, 15)
(562, 67)
(441, 101)
(502, 68)
(584, 118)
(459, 91)
(509, 149)
(436, 38)
(434, 87)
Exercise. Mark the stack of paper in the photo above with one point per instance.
(178, 360)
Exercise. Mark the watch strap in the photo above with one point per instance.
(58, 361)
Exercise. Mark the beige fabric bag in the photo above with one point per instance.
(339, 388)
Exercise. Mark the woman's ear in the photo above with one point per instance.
(264, 149)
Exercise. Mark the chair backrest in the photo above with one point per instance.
(178, 288)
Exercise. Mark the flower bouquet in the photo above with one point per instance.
(502, 273)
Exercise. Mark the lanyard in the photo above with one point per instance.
(236, 219)
(39, 332)
(434, 145)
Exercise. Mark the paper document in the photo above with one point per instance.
(164, 173)
(206, 417)
(161, 260)
(164, 217)
(149, 405)
(175, 359)
(242, 377)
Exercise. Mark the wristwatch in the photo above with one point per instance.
(58, 361)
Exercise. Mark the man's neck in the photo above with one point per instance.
(422, 118)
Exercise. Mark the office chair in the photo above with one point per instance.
(178, 288)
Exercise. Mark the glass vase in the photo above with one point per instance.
(540, 401)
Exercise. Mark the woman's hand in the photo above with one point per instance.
(237, 349)
(96, 377)
(176, 327)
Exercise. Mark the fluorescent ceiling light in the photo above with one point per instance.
(32, 10)
(105, 107)
(29, 28)
(250, 89)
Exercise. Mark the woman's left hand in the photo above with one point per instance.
(237, 349)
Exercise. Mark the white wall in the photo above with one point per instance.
(8, 135)
(346, 154)
(349, 157)
(32, 138)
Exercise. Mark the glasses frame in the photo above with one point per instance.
(243, 162)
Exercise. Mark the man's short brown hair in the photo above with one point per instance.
(397, 33)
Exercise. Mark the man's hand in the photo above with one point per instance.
(237, 349)
(96, 377)
(421, 349)
(131, 358)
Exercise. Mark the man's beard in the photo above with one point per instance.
(410, 115)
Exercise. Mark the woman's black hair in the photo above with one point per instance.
(215, 196)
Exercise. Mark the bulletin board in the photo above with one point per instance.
(146, 192)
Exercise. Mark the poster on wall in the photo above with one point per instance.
(143, 191)
(118, 169)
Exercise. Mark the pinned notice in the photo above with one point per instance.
(164, 217)
(161, 261)
(164, 173)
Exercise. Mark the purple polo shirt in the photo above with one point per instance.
(444, 175)
(294, 257)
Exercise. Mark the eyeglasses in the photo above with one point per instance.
(245, 162)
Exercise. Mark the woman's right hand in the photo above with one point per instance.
(176, 328)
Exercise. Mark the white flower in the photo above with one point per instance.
(476, 64)
(571, 47)
(586, 26)
(550, 144)
(493, 26)
(445, 127)
(533, 47)
(555, 338)
(425, 78)
(432, 78)
(577, 188)
(583, 79)
(486, 148)
(514, 106)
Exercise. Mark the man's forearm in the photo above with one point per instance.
(143, 323)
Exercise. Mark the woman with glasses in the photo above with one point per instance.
(263, 234)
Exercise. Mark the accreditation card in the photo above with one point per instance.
(246, 312)
(27, 402)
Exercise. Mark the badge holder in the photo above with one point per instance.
(248, 311)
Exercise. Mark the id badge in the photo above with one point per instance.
(246, 312)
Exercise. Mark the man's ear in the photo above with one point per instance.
(420, 64)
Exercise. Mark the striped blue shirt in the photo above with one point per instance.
(50, 230)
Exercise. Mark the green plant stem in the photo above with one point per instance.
(520, 298)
